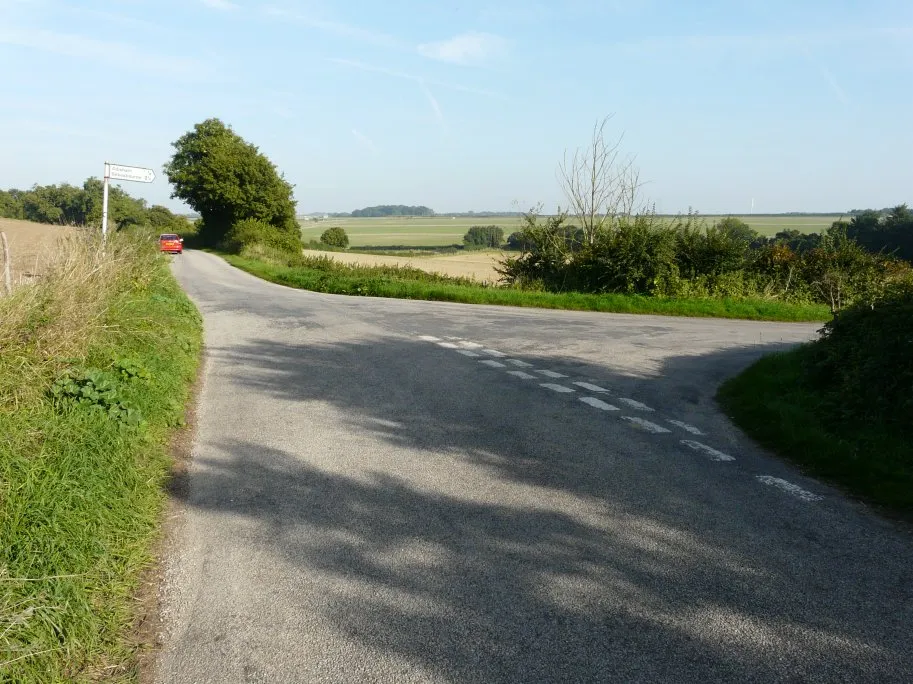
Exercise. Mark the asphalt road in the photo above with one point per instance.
(393, 491)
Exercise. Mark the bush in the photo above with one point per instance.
(335, 237)
(865, 360)
(516, 241)
(484, 237)
(647, 255)
(251, 232)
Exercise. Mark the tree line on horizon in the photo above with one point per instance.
(72, 205)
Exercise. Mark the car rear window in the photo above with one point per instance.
(168, 237)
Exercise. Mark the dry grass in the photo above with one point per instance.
(31, 246)
(54, 318)
(479, 266)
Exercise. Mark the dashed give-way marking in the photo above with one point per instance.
(495, 353)
(466, 352)
(646, 425)
(557, 388)
(687, 428)
(598, 403)
(519, 364)
(788, 487)
(447, 345)
(591, 388)
(429, 338)
(469, 345)
(707, 450)
(492, 363)
(635, 405)
(551, 374)
(522, 375)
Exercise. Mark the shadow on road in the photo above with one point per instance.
(582, 557)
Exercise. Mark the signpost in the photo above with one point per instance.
(136, 174)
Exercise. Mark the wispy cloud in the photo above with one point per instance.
(336, 28)
(125, 55)
(222, 5)
(831, 80)
(467, 48)
(361, 66)
(364, 140)
(435, 106)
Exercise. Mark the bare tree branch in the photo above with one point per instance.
(599, 183)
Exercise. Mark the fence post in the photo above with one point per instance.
(6, 264)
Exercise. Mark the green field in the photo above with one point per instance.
(444, 230)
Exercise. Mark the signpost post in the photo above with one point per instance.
(136, 174)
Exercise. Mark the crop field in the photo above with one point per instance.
(478, 265)
(30, 244)
(439, 231)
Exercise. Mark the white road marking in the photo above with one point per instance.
(557, 388)
(519, 363)
(450, 337)
(522, 375)
(494, 352)
(706, 450)
(466, 352)
(470, 345)
(447, 345)
(430, 338)
(646, 425)
(493, 364)
(687, 428)
(551, 374)
(598, 403)
(788, 487)
(635, 405)
(591, 388)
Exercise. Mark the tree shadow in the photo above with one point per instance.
(516, 539)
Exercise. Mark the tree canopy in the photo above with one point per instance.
(226, 180)
(71, 205)
(392, 210)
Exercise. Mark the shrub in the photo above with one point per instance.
(516, 241)
(482, 237)
(335, 237)
(865, 360)
(250, 232)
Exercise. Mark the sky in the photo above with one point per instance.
(794, 105)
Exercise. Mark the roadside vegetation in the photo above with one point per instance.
(321, 274)
(98, 358)
(608, 251)
(841, 407)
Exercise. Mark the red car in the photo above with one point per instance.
(168, 242)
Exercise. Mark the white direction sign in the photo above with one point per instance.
(129, 173)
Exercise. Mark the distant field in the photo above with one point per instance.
(478, 265)
(442, 230)
(30, 243)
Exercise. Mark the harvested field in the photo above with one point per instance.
(30, 244)
(479, 266)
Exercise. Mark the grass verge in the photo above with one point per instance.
(325, 275)
(98, 359)
(777, 403)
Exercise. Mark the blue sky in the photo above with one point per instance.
(803, 106)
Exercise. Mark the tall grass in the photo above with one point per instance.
(325, 275)
(80, 491)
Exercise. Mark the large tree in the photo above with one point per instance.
(226, 179)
